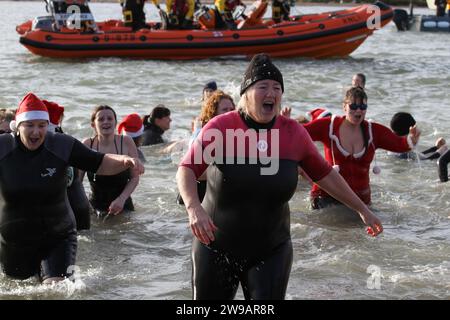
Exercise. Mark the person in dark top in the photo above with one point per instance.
(37, 230)
(110, 194)
(443, 166)
(133, 13)
(78, 202)
(250, 156)
(281, 10)
(400, 124)
(440, 7)
(155, 124)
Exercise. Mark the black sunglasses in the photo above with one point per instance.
(354, 106)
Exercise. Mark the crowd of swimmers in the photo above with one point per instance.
(239, 217)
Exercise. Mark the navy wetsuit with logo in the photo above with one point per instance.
(37, 230)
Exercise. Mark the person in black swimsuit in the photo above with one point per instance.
(251, 156)
(37, 231)
(110, 194)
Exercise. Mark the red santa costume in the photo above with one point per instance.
(354, 168)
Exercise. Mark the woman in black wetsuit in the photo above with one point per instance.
(155, 125)
(251, 156)
(38, 234)
(110, 194)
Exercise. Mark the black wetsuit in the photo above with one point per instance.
(429, 154)
(442, 164)
(152, 135)
(252, 244)
(37, 229)
(105, 189)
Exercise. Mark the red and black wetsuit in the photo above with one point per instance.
(253, 242)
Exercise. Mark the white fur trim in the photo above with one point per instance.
(134, 134)
(324, 113)
(51, 127)
(341, 149)
(32, 115)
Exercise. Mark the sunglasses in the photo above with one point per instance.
(3, 131)
(354, 106)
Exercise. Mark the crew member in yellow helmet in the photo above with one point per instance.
(224, 13)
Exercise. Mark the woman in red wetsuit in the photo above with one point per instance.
(350, 143)
(251, 156)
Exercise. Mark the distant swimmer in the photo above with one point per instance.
(359, 80)
(400, 123)
(242, 228)
(38, 232)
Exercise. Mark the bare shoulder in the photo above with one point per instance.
(86, 141)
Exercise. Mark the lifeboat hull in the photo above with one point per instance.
(330, 34)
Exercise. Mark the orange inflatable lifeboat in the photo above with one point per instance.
(322, 35)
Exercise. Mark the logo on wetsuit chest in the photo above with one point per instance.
(262, 145)
(50, 172)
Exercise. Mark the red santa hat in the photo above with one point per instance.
(30, 108)
(55, 112)
(131, 126)
(318, 113)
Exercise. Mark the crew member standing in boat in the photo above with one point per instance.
(224, 13)
(133, 13)
(181, 13)
(280, 10)
(440, 7)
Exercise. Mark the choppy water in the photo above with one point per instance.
(146, 255)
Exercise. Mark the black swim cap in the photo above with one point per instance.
(261, 68)
(400, 123)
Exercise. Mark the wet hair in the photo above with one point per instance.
(7, 114)
(363, 78)
(160, 111)
(209, 109)
(401, 122)
(212, 85)
(100, 108)
(355, 93)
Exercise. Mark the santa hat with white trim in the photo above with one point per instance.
(131, 126)
(30, 108)
(319, 113)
